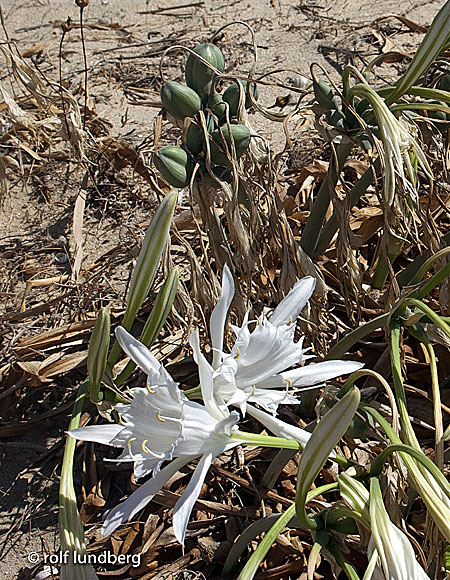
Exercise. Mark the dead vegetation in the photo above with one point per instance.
(75, 176)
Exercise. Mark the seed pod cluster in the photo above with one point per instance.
(223, 136)
(341, 116)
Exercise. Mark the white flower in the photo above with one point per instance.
(396, 555)
(398, 142)
(258, 360)
(160, 425)
(391, 556)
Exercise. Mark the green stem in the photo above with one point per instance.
(352, 338)
(423, 269)
(401, 448)
(410, 275)
(330, 228)
(319, 210)
(438, 426)
(266, 441)
(259, 554)
(405, 422)
(282, 521)
(435, 318)
(335, 550)
(395, 247)
(432, 282)
(194, 393)
(377, 464)
(70, 526)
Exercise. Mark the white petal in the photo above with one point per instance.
(219, 315)
(320, 372)
(278, 427)
(239, 398)
(152, 424)
(397, 556)
(183, 507)
(269, 399)
(98, 434)
(138, 352)
(242, 335)
(141, 497)
(291, 306)
(271, 349)
(202, 433)
(205, 372)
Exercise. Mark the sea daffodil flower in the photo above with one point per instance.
(161, 424)
(391, 556)
(398, 143)
(255, 370)
(397, 560)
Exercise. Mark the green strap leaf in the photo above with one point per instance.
(156, 319)
(147, 264)
(434, 43)
(319, 447)
(98, 353)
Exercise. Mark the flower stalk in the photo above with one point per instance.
(70, 526)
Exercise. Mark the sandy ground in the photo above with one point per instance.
(124, 42)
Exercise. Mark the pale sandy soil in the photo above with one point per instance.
(124, 42)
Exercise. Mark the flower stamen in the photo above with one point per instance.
(151, 391)
(238, 353)
(158, 416)
(129, 442)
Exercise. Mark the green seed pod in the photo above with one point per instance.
(444, 83)
(220, 172)
(195, 139)
(174, 165)
(217, 105)
(179, 100)
(324, 95)
(219, 144)
(438, 115)
(336, 118)
(199, 76)
(232, 95)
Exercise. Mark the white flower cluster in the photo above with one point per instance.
(162, 425)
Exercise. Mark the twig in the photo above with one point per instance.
(65, 27)
(82, 5)
(158, 10)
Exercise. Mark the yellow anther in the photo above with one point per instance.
(143, 447)
(151, 391)
(288, 381)
(120, 419)
(129, 442)
(238, 353)
(158, 416)
(253, 390)
(290, 321)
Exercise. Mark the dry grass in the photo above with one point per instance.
(53, 284)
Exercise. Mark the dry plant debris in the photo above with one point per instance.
(78, 174)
